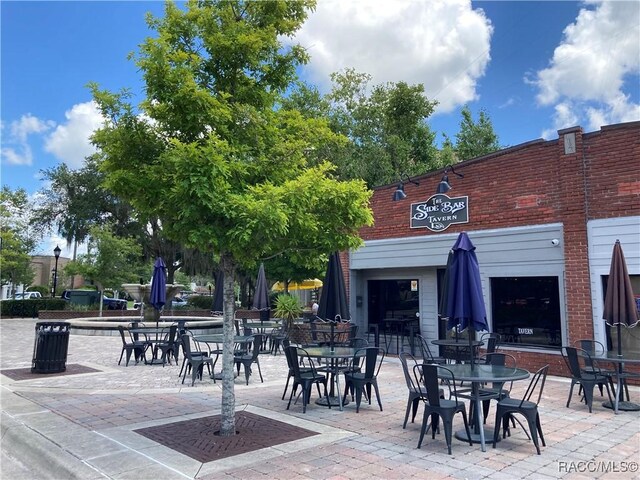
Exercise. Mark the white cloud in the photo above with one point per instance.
(563, 117)
(442, 44)
(19, 151)
(599, 52)
(69, 142)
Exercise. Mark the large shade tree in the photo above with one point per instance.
(211, 156)
(17, 240)
(386, 125)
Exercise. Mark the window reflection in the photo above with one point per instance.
(526, 310)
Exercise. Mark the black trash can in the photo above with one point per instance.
(50, 347)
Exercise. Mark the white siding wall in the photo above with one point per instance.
(602, 235)
(521, 251)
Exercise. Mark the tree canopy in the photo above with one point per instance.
(475, 139)
(212, 157)
(17, 239)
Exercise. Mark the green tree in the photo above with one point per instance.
(18, 240)
(475, 138)
(386, 126)
(214, 159)
(75, 201)
(15, 261)
(109, 262)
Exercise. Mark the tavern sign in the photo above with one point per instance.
(439, 212)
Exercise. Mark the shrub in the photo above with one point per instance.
(29, 307)
(288, 308)
(202, 302)
(43, 289)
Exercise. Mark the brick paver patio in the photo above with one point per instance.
(93, 417)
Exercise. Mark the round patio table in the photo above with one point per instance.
(619, 361)
(479, 374)
(218, 338)
(333, 355)
(148, 332)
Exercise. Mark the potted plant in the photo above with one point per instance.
(288, 309)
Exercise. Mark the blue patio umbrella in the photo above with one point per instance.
(158, 295)
(464, 303)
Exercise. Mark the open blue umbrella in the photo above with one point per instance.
(464, 303)
(158, 296)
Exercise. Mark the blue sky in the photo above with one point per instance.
(534, 67)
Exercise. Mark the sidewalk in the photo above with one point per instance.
(83, 426)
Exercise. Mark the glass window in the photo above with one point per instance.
(526, 310)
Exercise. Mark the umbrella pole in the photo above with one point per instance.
(619, 339)
(471, 335)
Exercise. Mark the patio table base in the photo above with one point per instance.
(475, 437)
(335, 401)
(624, 406)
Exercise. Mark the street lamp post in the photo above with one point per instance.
(56, 253)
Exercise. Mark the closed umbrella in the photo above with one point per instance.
(158, 296)
(333, 299)
(620, 306)
(217, 306)
(444, 295)
(261, 295)
(619, 303)
(465, 303)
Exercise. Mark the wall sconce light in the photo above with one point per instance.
(399, 193)
(444, 186)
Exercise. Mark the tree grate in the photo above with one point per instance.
(25, 373)
(198, 439)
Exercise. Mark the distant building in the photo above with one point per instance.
(44, 268)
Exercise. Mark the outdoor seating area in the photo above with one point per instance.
(379, 435)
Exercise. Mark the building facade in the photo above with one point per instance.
(544, 217)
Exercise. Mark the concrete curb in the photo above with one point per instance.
(43, 458)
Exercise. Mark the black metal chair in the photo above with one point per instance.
(137, 348)
(415, 394)
(497, 390)
(276, 337)
(304, 378)
(524, 406)
(362, 377)
(435, 407)
(168, 345)
(427, 356)
(588, 381)
(303, 368)
(491, 342)
(193, 360)
(593, 347)
(248, 359)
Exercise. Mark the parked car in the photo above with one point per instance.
(27, 295)
(177, 302)
(90, 297)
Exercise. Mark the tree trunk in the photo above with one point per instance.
(228, 407)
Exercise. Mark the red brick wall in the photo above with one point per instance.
(69, 314)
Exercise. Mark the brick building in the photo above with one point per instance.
(544, 217)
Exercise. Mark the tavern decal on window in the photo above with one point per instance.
(439, 212)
